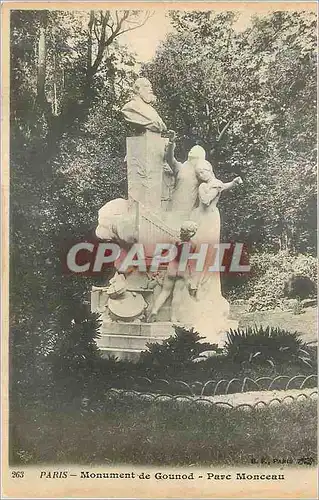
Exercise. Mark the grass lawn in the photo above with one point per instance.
(305, 324)
(129, 431)
(113, 430)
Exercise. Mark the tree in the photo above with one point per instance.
(248, 97)
(70, 56)
(69, 77)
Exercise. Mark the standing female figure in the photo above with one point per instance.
(211, 309)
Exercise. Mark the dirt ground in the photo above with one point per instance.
(266, 396)
(306, 324)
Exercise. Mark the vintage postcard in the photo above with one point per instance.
(159, 249)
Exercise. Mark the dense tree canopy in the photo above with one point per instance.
(249, 97)
(69, 78)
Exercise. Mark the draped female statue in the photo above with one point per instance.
(210, 310)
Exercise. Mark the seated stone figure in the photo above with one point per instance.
(117, 223)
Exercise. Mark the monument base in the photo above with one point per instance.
(124, 332)
(126, 340)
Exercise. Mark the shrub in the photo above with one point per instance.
(299, 287)
(175, 354)
(271, 275)
(268, 345)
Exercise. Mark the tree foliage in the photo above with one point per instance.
(69, 78)
(249, 97)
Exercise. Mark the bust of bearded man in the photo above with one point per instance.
(139, 111)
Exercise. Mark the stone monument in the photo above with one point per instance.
(168, 202)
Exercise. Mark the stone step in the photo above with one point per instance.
(126, 341)
(121, 354)
(158, 329)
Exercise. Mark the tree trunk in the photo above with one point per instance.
(41, 65)
(89, 55)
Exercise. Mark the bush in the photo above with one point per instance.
(299, 287)
(267, 345)
(175, 354)
(271, 275)
(252, 352)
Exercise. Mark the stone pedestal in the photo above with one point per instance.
(145, 161)
(168, 183)
(127, 340)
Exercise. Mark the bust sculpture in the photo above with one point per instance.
(139, 110)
